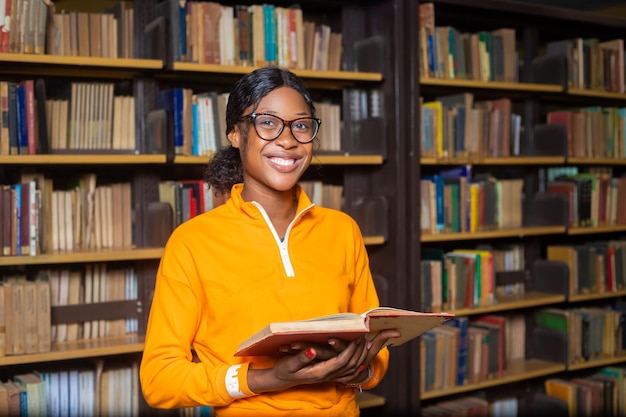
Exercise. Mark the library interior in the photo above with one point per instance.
(478, 145)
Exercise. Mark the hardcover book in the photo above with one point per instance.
(346, 326)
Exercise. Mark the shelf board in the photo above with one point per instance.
(83, 256)
(491, 234)
(81, 61)
(80, 349)
(374, 240)
(594, 230)
(323, 159)
(596, 296)
(329, 79)
(64, 66)
(596, 161)
(596, 94)
(513, 302)
(310, 74)
(82, 159)
(596, 363)
(369, 400)
(492, 85)
(512, 160)
(516, 370)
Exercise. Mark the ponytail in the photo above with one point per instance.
(224, 170)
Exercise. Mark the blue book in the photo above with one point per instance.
(270, 33)
(18, 217)
(439, 184)
(22, 123)
(461, 322)
(195, 116)
(171, 99)
(430, 347)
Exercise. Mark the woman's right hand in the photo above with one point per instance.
(339, 362)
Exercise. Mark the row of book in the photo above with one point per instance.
(25, 315)
(92, 118)
(594, 198)
(448, 53)
(95, 388)
(254, 35)
(600, 393)
(198, 121)
(107, 35)
(580, 335)
(467, 351)
(466, 278)
(26, 306)
(594, 267)
(35, 218)
(96, 283)
(593, 131)
(86, 115)
(457, 126)
(454, 201)
(591, 63)
(35, 27)
(474, 406)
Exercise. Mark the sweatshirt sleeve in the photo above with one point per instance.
(169, 376)
(365, 297)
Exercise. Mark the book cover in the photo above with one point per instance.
(346, 326)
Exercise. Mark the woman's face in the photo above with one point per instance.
(275, 165)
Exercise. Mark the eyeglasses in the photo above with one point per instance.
(269, 127)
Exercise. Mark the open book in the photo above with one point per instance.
(345, 326)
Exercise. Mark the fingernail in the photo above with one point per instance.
(296, 346)
(361, 368)
(332, 342)
(368, 346)
(310, 353)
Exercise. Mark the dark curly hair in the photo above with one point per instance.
(224, 170)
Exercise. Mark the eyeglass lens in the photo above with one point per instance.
(270, 127)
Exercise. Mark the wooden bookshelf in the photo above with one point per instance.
(84, 256)
(322, 159)
(373, 240)
(494, 234)
(515, 371)
(77, 66)
(596, 229)
(79, 349)
(491, 85)
(82, 159)
(513, 160)
(596, 364)
(513, 302)
(596, 94)
(596, 296)
(349, 76)
(596, 161)
(368, 400)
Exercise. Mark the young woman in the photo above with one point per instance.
(267, 254)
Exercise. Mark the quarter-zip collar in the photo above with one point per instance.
(255, 209)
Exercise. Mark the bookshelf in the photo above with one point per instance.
(533, 96)
(361, 166)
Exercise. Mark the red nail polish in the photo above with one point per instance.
(361, 368)
(309, 353)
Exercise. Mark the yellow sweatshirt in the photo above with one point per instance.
(224, 275)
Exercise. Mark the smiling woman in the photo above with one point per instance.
(254, 260)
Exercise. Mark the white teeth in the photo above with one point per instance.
(285, 162)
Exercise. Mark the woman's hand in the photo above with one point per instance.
(340, 361)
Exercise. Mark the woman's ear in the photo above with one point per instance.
(234, 137)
